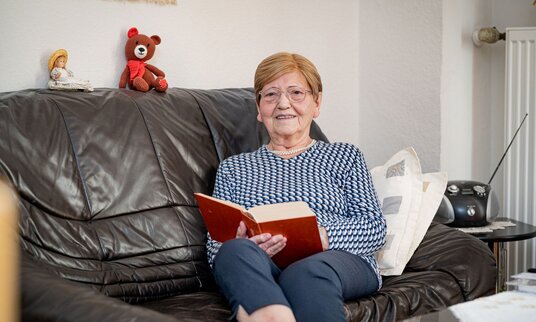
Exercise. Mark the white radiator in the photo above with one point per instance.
(519, 169)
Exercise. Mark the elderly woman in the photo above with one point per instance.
(332, 178)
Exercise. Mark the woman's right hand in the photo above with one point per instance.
(270, 244)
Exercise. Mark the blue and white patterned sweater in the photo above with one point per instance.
(331, 177)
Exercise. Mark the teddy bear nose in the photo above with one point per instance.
(141, 49)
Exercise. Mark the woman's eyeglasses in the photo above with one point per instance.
(294, 93)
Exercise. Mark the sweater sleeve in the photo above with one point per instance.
(362, 231)
(222, 191)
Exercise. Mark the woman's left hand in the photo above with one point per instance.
(270, 244)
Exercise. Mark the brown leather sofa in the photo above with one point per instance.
(110, 231)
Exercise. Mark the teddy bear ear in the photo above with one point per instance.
(132, 32)
(156, 39)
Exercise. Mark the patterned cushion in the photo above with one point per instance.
(434, 185)
(398, 184)
(409, 201)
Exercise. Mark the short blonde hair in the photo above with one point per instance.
(282, 63)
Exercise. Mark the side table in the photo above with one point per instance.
(496, 241)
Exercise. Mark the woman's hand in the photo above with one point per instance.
(270, 244)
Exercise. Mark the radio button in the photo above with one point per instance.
(453, 189)
(480, 191)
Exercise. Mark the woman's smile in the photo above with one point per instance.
(284, 117)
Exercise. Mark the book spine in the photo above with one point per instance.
(253, 227)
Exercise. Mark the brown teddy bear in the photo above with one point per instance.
(138, 74)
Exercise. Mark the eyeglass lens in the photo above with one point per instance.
(294, 93)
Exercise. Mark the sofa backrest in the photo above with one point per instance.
(107, 178)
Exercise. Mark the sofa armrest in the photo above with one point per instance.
(466, 258)
(47, 297)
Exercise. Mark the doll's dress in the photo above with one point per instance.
(67, 81)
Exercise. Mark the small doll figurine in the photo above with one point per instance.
(63, 78)
(59, 71)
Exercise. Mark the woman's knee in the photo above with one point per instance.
(235, 248)
(307, 273)
(236, 245)
(314, 290)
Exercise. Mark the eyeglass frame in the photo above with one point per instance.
(287, 94)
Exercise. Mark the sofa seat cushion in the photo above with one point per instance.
(410, 294)
(463, 256)
(199, 306)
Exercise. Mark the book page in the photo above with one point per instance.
(279, 211)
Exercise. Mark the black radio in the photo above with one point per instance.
(467, 204)
(471, 203)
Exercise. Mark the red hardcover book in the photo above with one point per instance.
(294, 220)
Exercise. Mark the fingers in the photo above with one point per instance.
(261, 238)
(271, 245)
(241, 231)
(277, 247)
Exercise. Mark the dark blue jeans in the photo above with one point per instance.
(315, 287)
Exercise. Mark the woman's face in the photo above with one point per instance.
(284, 118)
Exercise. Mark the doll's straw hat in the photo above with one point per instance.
(55, 55)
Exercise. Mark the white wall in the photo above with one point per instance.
(396, 73)
(205, 44)
(399, 79)
(465, 92)
(472, 87)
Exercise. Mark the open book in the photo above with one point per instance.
(294, 220)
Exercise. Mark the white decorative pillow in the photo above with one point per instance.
(434, 185)
(398, 184)
(409, 201)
